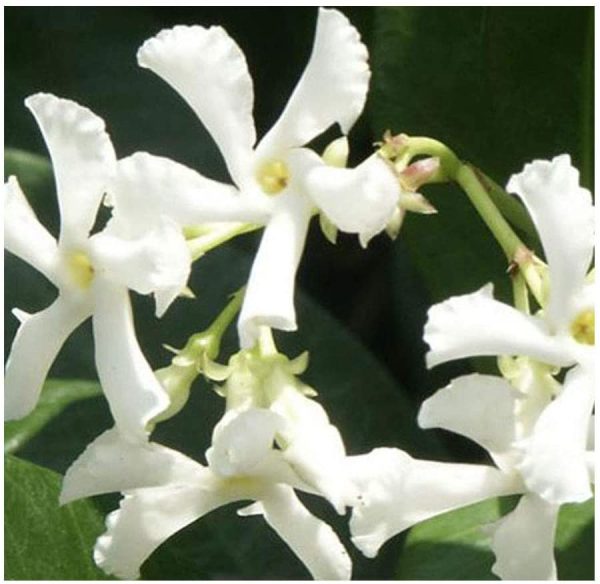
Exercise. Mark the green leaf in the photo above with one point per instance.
(57, 395)
(575, 542)
(501, 86)
(453, 546)
(43, 541)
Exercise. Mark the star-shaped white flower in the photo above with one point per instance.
(399, 491)
(281, 184)
(92, 273)
(164, 491)
(561, 335)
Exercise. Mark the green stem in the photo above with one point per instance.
(508, 206)
(470, 182)
(225, 318)
(217, 235)
(422, 146)
(487, 198)
(520, 293)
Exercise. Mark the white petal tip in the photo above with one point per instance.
(368, 545)
(20, 315)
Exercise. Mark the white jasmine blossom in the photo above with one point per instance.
(281, 184)
(164, 491)
(504, 419)
(562, 333)
(92, 273)
(535, 429)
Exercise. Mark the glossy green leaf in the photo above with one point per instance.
(454, 546)
(57, 395)
(43, 541)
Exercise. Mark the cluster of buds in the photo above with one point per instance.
(411, 177)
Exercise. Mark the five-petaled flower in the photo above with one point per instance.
(272, 439)
(92, 273)
(279, 183)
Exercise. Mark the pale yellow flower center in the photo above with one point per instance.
(583, 328)
(80, 269)
(273, 176)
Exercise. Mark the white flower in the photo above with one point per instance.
(164, 491)
(399, 491)
(306, 438)
(563, 333)
(560, 335)
(281, 184)
(92, 273)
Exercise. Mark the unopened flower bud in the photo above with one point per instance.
(421, 172)
(336, 154)
(177, 381)
(186, 365)
(330, 231)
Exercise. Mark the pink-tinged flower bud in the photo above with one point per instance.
(415, 175)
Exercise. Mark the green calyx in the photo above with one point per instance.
(255, 377)
(190, 361)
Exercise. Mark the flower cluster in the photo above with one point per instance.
(538, 431)
(274, 438)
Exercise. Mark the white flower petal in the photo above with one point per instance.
(83, 160)
(591, 437)
(333, 87)
(36, 344)
(208, 69)
(25, 236)
(554, 463)
(311, 539)
(147, 187)
(148, 517)
(360, 200)
(480, 407)
(564, 216)
(241, 441)
(134, 393)
(269, 298)
(476, 324)
(398, 491)
(158, 262)
(523, 541)
(314, 447)
(113, 464)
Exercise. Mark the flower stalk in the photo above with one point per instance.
(201, 239)
(490, 201)
(188, 363)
